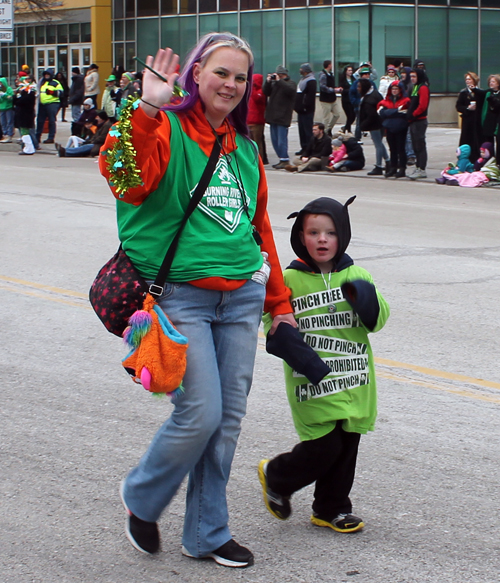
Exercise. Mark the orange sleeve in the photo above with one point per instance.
(277, 294)
(151, 140)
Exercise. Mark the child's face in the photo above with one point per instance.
(320, 239)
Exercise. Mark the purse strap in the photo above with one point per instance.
(156, 289)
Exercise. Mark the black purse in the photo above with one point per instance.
(119, 290)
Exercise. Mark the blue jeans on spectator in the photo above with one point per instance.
(76, 112)
(47, 110)
(201, 434)
(79, 152)
(7, 121)
(380, 149)
(409, 146)
(279, 139)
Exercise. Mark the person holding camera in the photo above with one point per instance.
(280, 91)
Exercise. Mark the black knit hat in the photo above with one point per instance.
(322, 206)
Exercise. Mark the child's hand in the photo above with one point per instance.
(288, 318)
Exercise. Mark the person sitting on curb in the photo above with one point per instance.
(88, 114)
(354, 159)
(95, 142)
(316, 154)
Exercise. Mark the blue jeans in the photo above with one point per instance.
(79, 152)
(7, 121)
(279, 139)
(47, 110)
(380, 150)
(76, 112)
(305, 123)
(200, 436)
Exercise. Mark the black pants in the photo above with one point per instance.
(349, 114)
(397, 147)
(305, 122)
(330, 461)
(417, 131)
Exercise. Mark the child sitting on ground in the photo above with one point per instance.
(339, 152)
(463, 165)
(331, 389)
(483, 171)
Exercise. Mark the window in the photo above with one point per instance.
(130, 8)
(119, 30)
(20, 35)
(118, 9)
(148, 38)
(432, 45)
(320, 37)
(490, 25)
(40, 35)
(51, 34)
(86, 32)
(30, 35)
(462, 47)
(62, 33)
(393, 35)
(227, 5)
(351, 36)
(74, 33)
(207, 5)
(130, 30)
(148, 8)
(168, 6)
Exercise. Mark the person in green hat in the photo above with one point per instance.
(107, 103)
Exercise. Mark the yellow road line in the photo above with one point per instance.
(438, 373)
(382, 362)
(49, 288)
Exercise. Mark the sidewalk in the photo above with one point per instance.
(442, 143)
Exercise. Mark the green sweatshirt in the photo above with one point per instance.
(7, 99)
(217, 240)
(336, 333)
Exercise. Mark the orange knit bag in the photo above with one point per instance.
(157, 360)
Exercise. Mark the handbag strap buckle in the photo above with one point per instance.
(155, 290)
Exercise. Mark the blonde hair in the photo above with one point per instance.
(473, 76)
(496, 77)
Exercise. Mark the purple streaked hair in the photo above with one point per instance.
(199, 54)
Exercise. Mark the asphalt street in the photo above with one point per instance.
(72, 424)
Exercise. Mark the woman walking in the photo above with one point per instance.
(215, 291)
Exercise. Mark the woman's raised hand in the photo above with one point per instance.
(155, 91)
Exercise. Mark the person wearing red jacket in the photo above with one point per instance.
(417, 117)
(255, 120)
(393, 111)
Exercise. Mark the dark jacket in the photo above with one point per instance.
(327, 87)
(354, 96)
(369, 119)
(99, 137)
(76, 91)
(24, 109)
(319, 147)
(490, 114)
(392, 118)
(86, 116)
(354, 150)
(471, 119)
(281, 97)
(305, 101)
(419, 98)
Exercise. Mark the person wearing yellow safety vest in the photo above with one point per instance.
(50, 102)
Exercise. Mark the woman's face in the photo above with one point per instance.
(391, 72)
(494, 84)
(395, 90)
(348, 71)
(469, 81)
(222, 82)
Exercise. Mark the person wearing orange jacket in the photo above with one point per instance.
(216, 288)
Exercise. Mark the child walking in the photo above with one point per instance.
(331, 390)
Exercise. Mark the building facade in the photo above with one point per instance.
(451, 36)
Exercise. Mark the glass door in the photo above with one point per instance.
(45, 59)
(81, 57)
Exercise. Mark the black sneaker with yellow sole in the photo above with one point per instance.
(279, 506)
(341, 523)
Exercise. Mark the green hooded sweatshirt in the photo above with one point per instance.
(7, 99)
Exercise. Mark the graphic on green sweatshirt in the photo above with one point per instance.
(224, 202)
(331, 327)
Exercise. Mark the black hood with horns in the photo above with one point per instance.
(340, 216)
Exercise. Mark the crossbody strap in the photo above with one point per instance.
(156, 289)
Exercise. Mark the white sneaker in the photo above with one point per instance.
(417, 174)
